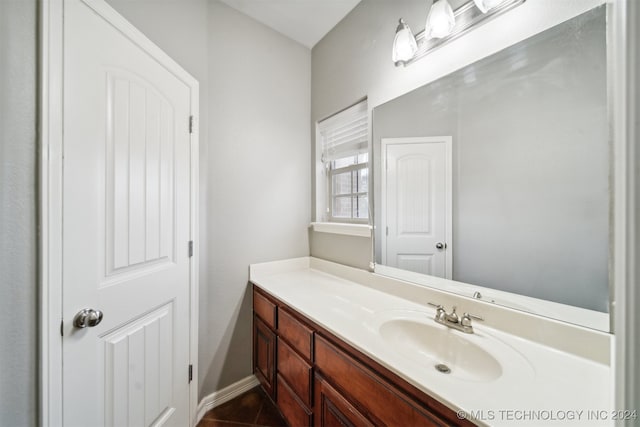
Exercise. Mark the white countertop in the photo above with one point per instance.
(538, 386)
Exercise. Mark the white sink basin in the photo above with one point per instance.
(442, 351)
(431, 344)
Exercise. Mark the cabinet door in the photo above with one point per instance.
(333, 410)
(294, 411)
(264, 355)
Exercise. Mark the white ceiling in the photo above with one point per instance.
(305, 21)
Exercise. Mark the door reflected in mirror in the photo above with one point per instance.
(416, 201)
(495, 178)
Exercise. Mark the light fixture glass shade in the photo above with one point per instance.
(404, 45)
(487, 5)
(440, 20)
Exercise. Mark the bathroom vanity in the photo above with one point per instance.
(318, 379)
(334, 345)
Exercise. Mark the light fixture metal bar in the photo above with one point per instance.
(468, 17)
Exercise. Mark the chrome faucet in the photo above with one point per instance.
(452, 320)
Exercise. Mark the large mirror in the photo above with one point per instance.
(494, 181)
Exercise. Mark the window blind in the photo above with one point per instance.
(345, 133)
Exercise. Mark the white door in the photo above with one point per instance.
(126, 215)
(416, 204)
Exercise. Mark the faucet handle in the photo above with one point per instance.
(466, 319)
(473, 316)
(440, 311)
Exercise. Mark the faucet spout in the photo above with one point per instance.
(453, 316)
(452, 320)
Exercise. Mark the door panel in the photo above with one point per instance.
(140, 165)
(126, 211)
(413, 190)
(424, 264)
(138, 358)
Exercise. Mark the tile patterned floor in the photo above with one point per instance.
(252, 408)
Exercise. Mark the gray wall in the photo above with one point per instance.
(254, 160)
(18, 236)
(258, 179)
(347, 250)
(530, 163)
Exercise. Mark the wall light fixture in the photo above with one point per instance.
(440, 20)
(443, 25)
(404, 45)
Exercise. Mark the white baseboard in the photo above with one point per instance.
(226, 394)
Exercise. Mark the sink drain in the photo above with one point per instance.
(443, 368)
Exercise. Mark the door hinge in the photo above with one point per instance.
(190, 373)
(62, 327)
(190, 248)
(387, 230)
(190, 124)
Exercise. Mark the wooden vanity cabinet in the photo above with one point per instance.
(317, 379)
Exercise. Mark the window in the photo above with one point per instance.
(345, 158)
(348, 184)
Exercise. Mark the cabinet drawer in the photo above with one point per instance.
(295, 371)
(296, 334)
(265, 309)
(292, 409)
(376, 398)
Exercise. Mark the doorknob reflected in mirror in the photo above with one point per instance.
(87, 318)
(441, 245)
